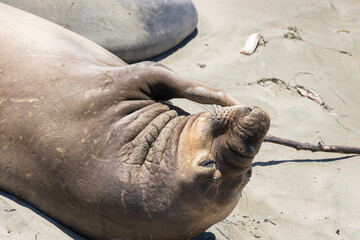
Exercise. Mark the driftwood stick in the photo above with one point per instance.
(312, 147)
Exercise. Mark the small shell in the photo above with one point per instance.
(302, 91)
(251, 43)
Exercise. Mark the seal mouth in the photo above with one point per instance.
(247, 153)
(237, 159)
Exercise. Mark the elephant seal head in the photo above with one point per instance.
(215, 153)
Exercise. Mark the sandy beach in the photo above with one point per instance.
(292, 194)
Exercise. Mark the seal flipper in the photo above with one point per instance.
(149, 80)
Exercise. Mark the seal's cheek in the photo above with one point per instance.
(195, 149)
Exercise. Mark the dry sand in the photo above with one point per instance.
(292, 195)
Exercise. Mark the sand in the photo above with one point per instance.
(291, 195)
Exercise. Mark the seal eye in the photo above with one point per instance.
(207, 163)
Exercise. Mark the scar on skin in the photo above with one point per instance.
(29, 100)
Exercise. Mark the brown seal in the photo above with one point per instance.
(90, 141)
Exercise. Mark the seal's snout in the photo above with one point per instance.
(249, 122)
(256, 123)
(243, 130)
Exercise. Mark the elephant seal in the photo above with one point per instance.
(134, 30)
(92, 141)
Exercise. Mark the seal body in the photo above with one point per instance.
(92, 142)
(132, 29)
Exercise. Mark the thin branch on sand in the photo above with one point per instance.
(312, 147)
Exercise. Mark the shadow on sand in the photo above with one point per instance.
(205, 236)
(68, 232)
(174, 49)
(64, 229)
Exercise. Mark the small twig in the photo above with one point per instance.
(312, 147)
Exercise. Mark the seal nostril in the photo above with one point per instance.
(250, 109)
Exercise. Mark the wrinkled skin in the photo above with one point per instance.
(90, 141)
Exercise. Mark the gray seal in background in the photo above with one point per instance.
(134, 30)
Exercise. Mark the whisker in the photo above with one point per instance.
(216, 148)
(276, 126)
(214, 108)
(205, 107)
(273, 146)
(217, 189)
(203, 195)
(255, 102)
(246, 197)
(243, 102)
(211, 108)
